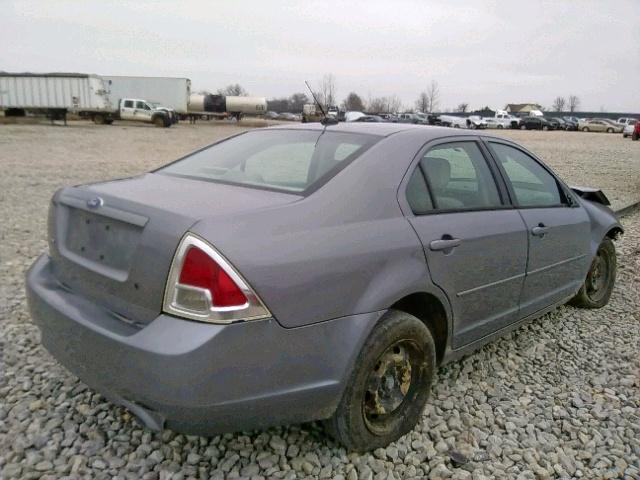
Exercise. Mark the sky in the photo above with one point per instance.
(479, 52)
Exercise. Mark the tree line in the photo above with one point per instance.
(325, 92)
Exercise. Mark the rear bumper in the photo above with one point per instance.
(195, 377)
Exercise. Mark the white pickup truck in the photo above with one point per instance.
(502, 119)
(135, 110)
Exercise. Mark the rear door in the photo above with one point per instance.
(558, 229)
(474, 242)
(127, 108)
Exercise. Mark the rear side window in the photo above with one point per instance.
(128, 103)
(532, 184)
(289, 160)
(418, 194)
(459, 178)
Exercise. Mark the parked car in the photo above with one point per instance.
(536, 123)
(287, 116)
(476, 122)
(389, 117)
(352, 116)
(555, 123)
(370, 119)
(409, 118)
(599, 125)
(632, 130)
(271, 115)
(493, 122)
(453, 121)
(627, 121)
(571, 123)
(294, 273)
(569, 118)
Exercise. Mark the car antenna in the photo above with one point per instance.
(326, 120)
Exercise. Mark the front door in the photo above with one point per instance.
(558, 230)
(143, 111)
(474, 243)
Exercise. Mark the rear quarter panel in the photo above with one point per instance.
(345, 249)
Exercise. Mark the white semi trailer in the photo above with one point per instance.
(56, 94)
(53, 94)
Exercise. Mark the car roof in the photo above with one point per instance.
(380, 129)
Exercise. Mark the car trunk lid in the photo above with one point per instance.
(113, 242)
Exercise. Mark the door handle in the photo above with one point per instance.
(540, 231)
(444, 244)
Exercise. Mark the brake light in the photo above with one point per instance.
(202, 285)
(200, 270)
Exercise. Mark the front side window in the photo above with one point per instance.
(532, 185)
(290, 160)
(459, 178)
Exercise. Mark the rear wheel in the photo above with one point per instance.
(159, 121)
(500, 127)
(609, 130)
(99, 119)
(523, 127)
(597, 287)
(585, 129)
(634, 136)
(389, 385)
(545, 127)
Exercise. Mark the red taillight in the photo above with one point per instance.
(200, 270)
(203, 285)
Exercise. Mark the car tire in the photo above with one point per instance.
(598, 285)
(609, 130)
(398, 341)
(500, 127)
(545, 128)
(523, 127)
(585, 129)
(99, 119)
(159, 122)
(624, 135)
(634, 136)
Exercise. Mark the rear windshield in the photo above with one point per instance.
(290, 160)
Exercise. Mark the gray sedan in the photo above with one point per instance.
(311, 273)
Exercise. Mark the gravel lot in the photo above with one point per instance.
(558, 398)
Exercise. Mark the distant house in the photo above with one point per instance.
(521, 108)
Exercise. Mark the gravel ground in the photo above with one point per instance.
(558, 398)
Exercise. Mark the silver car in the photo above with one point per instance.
(599, 125)
(311, 273)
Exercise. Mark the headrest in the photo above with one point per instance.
(438, 171)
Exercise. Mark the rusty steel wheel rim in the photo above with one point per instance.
(598, 277)
(389, 383)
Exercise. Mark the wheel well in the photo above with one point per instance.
(431, 312)
(615, 233)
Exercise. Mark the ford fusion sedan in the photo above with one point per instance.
(311, 273)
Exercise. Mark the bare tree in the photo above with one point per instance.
(574, 103)
(384, 104)
(422, 104)
(393, 104)
(327, 93)
(233, 90)
(462, 108)
(297, 101)
(559, 103)
(353, 102)
(433, 96)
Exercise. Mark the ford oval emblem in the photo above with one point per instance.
(95, 202)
